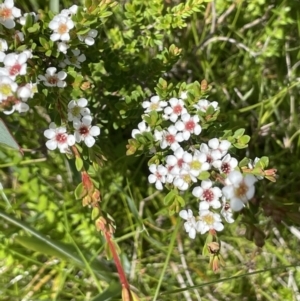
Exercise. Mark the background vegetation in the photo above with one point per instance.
(249, 53)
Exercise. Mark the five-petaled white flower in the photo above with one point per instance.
(191, 224)
(18, 106)
(89, 38)
(226, 165)
(175, 109)
(74, 60)
(158, 175)
(53, 79)
(77, 109)
(203, 105)
(85, 132)
(208, 195)
(155, 104)
(58, 138)
(240, 189)
(7, 87)
(61, 25)
(169, 137)
(142, 127)
(15, 64)
(8, 13)
(209, 221)
(188, 125)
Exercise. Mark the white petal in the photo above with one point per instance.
(51, 144)
(95, 131)
(89, 141)
(49, 133)
(236, 204)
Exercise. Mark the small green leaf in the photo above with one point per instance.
(204, 175)
(244, 139)
(95, 212)
(79, 191)
(170, 197)
(238, 133)
(78, 163)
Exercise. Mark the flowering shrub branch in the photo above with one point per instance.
(178, 133)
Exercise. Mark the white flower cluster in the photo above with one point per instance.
(61, 25)
(81, 117)
(14, 90)
(183, 163)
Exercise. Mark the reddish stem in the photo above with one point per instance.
(117, 261)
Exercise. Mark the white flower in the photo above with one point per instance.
(51, 79)
(175, 109)
(89, 37)
(15, 64)
(209, 221)
(158, 175)
(203, 105)
(27, 91)
(75, 60)
(210, 155)
(8, 13)
(219, 148)
(58, 138)
(188, 125)
(85, 132)
(208, 195)
(226, 165)
(3, 49)
(240, 189)
(175, 162)
(19, 106)
(77, 109)
(7, 87)
(191, 224)
(169, 137)
(226, 211)
(61, 25)
(23, 18)
(62, 47)
(197, 164)
(183, 180)
(155, 104)
(142, 127)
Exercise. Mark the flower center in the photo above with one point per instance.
(63, 28)
(61, 138)
(208, 195)
(186, 178)
(208, 219)
(14, 70)
(177, 109)
(154, 106)
(5, 89)
(195, 165)
(158, 175)
(76, 111)
(84, 130)
(190, 125)
(5, 13)
(226, 168)
(241, 191)
(52, 79)
(180, 162)
(170, 138)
